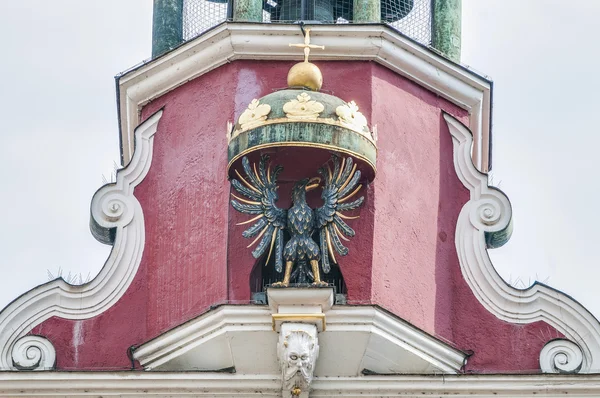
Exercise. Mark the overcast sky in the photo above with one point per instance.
(59, 131)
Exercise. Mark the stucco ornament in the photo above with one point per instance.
(485, 222)
(298, 350)
(303, 108)
(254, 115)
(561, 356)
(33, 353)
(351, 117)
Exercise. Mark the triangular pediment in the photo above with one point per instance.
(357, 340)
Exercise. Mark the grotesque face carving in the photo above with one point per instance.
(298, 351)
(298, 355)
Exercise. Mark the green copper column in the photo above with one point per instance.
(366, 11)
(445, 27)
(247, 10)
(167, 26)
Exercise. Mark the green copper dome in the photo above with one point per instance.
(301, 118)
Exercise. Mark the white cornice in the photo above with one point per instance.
(186, 384)
(379, 43)
(485, 222)
(116, 217)
(341, 320)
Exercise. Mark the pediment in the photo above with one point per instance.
(357, 340)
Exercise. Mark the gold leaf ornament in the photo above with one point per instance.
(254, 115)
(302, 108)
(351, 117)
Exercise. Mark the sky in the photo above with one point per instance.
(59, 133)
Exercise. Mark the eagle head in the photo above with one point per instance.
(303, 186)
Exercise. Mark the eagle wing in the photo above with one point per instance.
(340, 186)
(260, 191)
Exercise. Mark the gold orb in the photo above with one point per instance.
(305, 74)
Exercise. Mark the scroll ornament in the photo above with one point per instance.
(33, 353)
(561, 356)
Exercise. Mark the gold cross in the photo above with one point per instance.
(307, 46)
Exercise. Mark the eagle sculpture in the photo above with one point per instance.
(301, 223)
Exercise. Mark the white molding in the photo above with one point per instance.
(227, 318)
(485, 221)
(33, 353)
(561, 356)
(189, 335)
(444, 357)
(186, 384)
(114, 208)
(378, 43)
(289, 304)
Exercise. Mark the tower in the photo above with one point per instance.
(231, 275)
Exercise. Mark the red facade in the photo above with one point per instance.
(403, 257)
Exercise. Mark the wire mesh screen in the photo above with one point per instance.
(324, 11)
(411, 17)
(201, 15)
(416, 21)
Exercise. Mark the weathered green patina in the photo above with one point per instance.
(367, 11)
(167, 26)
(248, 10)
(326, 131)
(305, 134)
(446, 27)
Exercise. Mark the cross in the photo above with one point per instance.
(307, 46)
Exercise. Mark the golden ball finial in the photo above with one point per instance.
(305, 74)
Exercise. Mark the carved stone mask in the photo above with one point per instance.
(299, 355)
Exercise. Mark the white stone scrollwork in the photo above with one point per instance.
(485, 222)
(298, 350)
(561, 356)
(116, 219)
(111, 208)
(33, 353)
(487, 214)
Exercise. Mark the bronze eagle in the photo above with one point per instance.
(301, 223)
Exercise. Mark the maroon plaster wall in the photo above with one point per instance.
(416, 273)
(403, 257)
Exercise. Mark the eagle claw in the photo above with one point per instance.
(279, 284)
(320, 283)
